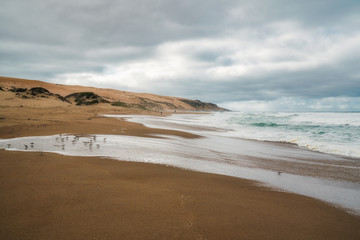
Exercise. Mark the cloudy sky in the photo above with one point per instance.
(242, 54)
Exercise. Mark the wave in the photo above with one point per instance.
(335, 133)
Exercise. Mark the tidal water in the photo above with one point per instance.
(328, 132)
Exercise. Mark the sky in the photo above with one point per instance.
(248, 55)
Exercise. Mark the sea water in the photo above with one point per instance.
(328, 132)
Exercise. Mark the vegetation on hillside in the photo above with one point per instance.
(85, 98)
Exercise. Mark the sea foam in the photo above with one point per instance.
(334, 133)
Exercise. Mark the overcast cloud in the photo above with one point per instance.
(246, 55)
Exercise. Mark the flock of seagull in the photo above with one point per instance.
(63, 139)
(90, 143)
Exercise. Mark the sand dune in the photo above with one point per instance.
(145, 101)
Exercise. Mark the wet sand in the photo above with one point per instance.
(50, 196)
(35, 121)
(58, 197)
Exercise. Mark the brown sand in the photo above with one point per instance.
(38, 121)
(57, 197)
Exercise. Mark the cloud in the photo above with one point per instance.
(240, 65)
(220, 51)
(291, 104)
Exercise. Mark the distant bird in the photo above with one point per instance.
(9, 145)
(62, 139)
(32, 144)
(67, 138)
(26, 146)
(104, 139)
(94, 138)
(279, 173)
(63, 147)
(98, 145)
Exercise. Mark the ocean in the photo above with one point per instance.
(327, 132)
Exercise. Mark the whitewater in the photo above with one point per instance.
(327, 132)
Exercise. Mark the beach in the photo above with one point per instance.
(58, 197)
(52, 196)
(205, 120)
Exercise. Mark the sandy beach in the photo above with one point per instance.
(56, 197)
(51, 196)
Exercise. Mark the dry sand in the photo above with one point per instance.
(52, 196)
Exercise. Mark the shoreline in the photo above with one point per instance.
(103, 198)
(299, 177)
(75, 120)
(80, 195)
(176, 123)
